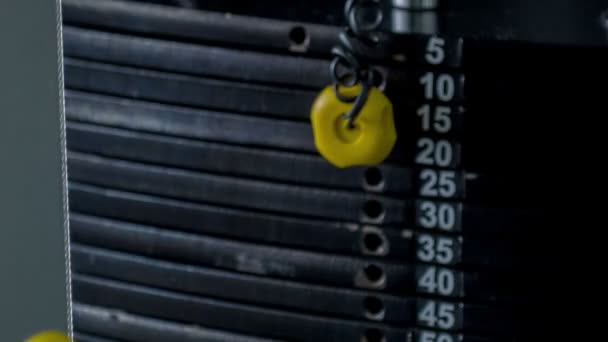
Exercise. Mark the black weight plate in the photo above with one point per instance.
(189, 123)
(178, 89)
(215, 126)
(243, 257)
(188, 90)
(80, 337)
(271, 261)
(268, 292)
(308, 201)
(191, 25)
(225, 315)
(244, 66)
(201, 60)
(225, 159)
(134, 328)
(252, 162)
(242, 288)
(237, 192)
(334, 237)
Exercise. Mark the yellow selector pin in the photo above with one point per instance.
(49, 336)
(352, 119)
(364, 140)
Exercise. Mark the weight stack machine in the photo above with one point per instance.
(201, 210)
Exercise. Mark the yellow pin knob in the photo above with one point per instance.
(49, 336)
(368, 142)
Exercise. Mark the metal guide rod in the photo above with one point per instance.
(416, 4)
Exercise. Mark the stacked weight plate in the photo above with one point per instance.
(200, 210)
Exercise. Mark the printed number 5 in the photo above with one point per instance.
(434, 50)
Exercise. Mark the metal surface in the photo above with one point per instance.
(195, 59)
(33, 293)
(147, 200)
(223, 315)
(416, 4)
(188, 90)
(203, 124)
(240, 287)
(232, 191)
(222, 158)
(269, 292)
(404, 21)
(270, 261)
(277, 262)
(198, 26)
(130, 327)
(340, 238)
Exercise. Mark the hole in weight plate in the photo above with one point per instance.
(373, 209)
(373, 335)
(373, 176)
(297, 35)
(373, 273)
(379, 79)
(373, 306)
(373, 242)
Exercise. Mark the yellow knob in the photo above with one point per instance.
(371, 139)
(49, 336)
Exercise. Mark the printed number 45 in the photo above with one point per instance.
(438, 314)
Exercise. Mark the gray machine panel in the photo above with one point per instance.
(32, 249)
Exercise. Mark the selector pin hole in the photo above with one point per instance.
(298, 36)
(373, 242)
(379, 79)
(373, 273)
(373, 335)
(373, 209)
(373, 177)
(373, 306)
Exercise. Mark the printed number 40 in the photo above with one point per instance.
(438, 280)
